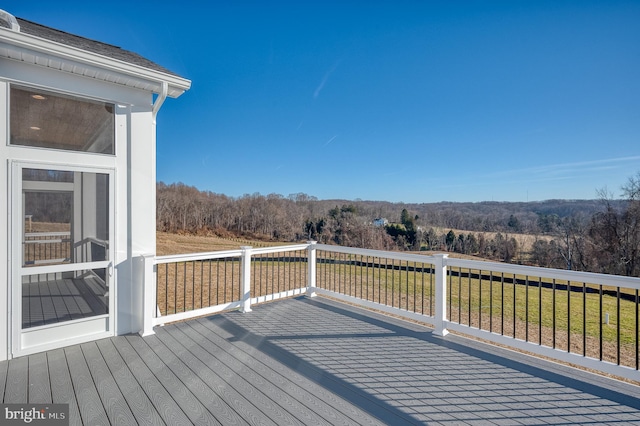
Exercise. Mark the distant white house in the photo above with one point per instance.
(380, 222)
(77, 158)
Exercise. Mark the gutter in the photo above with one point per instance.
(10, 20)
(159, 100)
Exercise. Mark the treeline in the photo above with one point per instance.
(591, 235)
(44, 206)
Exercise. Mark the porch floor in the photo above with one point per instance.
(310, 361)
(49, 302)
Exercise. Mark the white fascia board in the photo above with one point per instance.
(31, 49)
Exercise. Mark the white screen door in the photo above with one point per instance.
(62, 254)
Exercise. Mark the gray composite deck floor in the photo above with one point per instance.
(310, 361)
(49, 302)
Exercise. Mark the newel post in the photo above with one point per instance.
(440, 317)
(311, 278)
(245, 276)
(148, 283)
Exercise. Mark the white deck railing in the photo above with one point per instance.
(590, 320)
(42, 248)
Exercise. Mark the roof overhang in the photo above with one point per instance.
(49, 54)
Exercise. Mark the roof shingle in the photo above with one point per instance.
(100, 48)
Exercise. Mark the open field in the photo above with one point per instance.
(47, 227)
(525, 241)
(168, 243)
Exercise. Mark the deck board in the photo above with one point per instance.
(289, 379)
(3, 376)
(112, 399)
(59, 305)
(17, 386)
(48, 307)
(288, 412)
(310, 361)
(190, 405)
(76, 306)
(134, 396)
(93, 294)
(213, 402)
(89, 403)
(253, 390)
(285, 379)
(167, 407)
(25, 302)
(35, 304)
(255, 410)
(61, 385)
(39, 388)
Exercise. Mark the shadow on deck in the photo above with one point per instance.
(303, 361)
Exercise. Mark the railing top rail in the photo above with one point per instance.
(411, 257)
(47, 234)
(48, 241)
(535, 271)
(189, 257)
(279, 249)
(98, 241)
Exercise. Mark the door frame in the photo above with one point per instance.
(51, 336)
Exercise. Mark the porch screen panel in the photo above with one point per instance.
(66, 222)
(66, 217)
(51, 298)
(51, 120)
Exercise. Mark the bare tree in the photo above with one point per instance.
(615, 234)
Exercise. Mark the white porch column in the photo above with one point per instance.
(149, 305)
(245, 277)
(440, 316)
(311, 278)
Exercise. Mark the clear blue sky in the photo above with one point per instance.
(414, 101)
